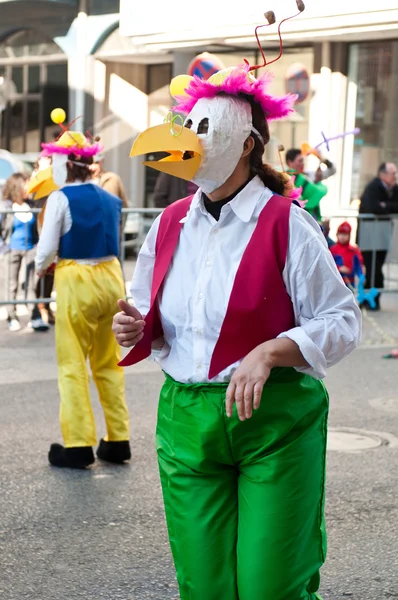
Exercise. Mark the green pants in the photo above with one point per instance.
(244, 500)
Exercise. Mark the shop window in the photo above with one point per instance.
(35, 87)
(17, 78)
(34, 79)
(372, 101)
(16, 127)
(28, 43)
(103, 7)
(32, 133)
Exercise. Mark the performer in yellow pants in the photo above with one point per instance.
(82, 225)
(83, 329)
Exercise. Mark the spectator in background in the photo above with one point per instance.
(380, 197)
(19, 232)
(168, 189)
(44, 286)
(312, 188)
(108, 181)
(325, 225)
(346, 252)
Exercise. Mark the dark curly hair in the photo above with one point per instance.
(276, 181)
(79, 172)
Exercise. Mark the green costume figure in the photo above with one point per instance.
(312, 193)
(312, 188)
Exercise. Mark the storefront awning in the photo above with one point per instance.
(160, 27)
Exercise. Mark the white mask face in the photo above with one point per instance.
(223, 124)
(59, 171)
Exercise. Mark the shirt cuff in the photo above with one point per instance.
(158, 355)
(310, 351)
(43, 263)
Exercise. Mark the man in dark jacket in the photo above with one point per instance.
(380, 197)
(168, 189)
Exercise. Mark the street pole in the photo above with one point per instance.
(77, 67)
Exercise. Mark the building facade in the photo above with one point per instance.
(113, 69)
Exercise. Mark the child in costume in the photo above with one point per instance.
(344, 251)
(81, 225)
(237, 296)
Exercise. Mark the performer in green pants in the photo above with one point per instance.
(237, 297)
(254, 490)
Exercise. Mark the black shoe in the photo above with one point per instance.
(74, 458)
(114, 452)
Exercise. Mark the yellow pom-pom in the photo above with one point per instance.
(58, 115)
(219, 77)
(179, 84)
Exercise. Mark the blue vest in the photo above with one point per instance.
(95, 227)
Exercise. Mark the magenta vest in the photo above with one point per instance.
(259, 307)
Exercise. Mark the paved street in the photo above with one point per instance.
(100, 534)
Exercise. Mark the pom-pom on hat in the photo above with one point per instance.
(71, 142)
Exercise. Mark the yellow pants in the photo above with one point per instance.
(86, 302)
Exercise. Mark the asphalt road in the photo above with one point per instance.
(100, 534)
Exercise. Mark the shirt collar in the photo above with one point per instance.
(243, 204)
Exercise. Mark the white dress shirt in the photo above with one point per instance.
(57, 222)
(195, 295)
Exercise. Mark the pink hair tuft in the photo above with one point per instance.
(238, 83)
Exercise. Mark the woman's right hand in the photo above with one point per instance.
(128, 325)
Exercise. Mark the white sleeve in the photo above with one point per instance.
(328, 320)
(141, 283)
(57, 207)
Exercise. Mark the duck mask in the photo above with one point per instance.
(207, 149)
(222, 125)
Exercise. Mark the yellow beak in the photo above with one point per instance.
(42, 184)
(176, 141)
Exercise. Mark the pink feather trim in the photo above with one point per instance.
(236, 83)
(85, 152)
(295, 193)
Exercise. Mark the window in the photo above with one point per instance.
(36, 85)
(374, 98)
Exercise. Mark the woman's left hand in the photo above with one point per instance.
(247, 383)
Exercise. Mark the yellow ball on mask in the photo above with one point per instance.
(179, 84)
(58, 115)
